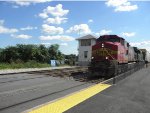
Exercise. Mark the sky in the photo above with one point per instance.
(62, 22)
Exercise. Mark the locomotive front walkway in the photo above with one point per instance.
(131, 95)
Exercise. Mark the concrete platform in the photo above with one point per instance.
(131, 95)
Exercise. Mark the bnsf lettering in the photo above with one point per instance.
(103, 52)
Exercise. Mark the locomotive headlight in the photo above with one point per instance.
(92, 58)
(102, 45)
(106, 57)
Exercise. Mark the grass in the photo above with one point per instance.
(30, 64)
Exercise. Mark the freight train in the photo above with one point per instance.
(113, 54)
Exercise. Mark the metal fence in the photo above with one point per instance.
(131, 69)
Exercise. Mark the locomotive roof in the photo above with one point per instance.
(87, 37)
(110, 36)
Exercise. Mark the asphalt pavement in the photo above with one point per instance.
(130, 95)
(19, 92)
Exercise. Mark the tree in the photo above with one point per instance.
(42, 54)
(70, 59)
(27, 52)
(53, 51)
(1, 51)
(9, 54)
(60, 56)
(24, 53)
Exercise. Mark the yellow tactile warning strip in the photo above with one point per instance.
(65, 103)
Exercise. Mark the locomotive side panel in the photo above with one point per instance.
(131, 54)
(148, 56)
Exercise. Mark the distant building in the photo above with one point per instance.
(85, 49)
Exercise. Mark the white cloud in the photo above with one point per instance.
(126, 8)
(143, 43)
(22, 3)
(121, 5)
(43, 15)
(116, 3)
(4, 30)
(64, 44)
(28, 2)
(103, 32)
(52, 29)
(57, 37)
(28, 28)
(22, 36)
(135, 44)
(1, 22)
(56, 20)
(79, 29)
(90, 21)
(15, 6)
(56, 11)
(128, 34)
(46, 43)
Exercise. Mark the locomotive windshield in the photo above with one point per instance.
(108, 39)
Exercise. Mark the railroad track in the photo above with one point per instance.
(66, 72)
(78, 74)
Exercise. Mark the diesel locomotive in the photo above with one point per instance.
(112, 54)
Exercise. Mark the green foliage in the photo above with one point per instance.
(9, 54)
(70, 59)
(29, 64)
(24, 53)
(54, 52)
(25, 56)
